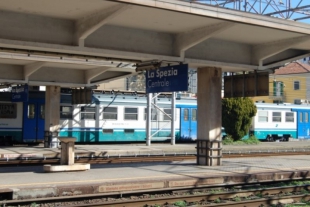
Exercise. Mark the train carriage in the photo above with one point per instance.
(116, 118)
(302, 117)
(122, 118)
(273, 122)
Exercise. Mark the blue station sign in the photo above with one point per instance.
(19, 93)
(167, 79)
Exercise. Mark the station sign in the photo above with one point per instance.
(20, 93)
(82, 96)
(167, 79)
(246, 85)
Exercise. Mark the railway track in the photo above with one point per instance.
(140, 158)
(232, 196)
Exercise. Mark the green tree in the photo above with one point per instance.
(237, 115)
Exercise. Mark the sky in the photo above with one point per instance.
(267, 7)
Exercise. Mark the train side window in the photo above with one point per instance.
(42, 111)
(276, 116)
(66, 112)
(110, 113)
(108, 131)
(88, 113)
(306, 117)
(289, 117)
(167, 111)
(185, 118)
(194, 114)
(128, 131)
(31, 111)
(300, 117)
(131, 114)
(263, 116)
(153, 114)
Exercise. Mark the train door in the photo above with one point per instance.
(33, 120)
(188, 123)
(303, 128)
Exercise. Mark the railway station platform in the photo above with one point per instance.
(141, 149)
(102, 179)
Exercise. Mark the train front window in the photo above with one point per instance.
(31, 111)
(131, 114)
(194, 114)
(66, 112)
(88, 113)
(110, 113)
(276, 116)
(185, 118)
(289, 117)
(263, 116)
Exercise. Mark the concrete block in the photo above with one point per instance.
(65, 168)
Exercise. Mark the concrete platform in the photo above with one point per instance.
(32, 182)
(142, 149)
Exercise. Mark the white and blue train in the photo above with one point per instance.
(121, 117)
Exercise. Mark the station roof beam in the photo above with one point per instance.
(87, 25)
(188, 39)
(263, 51)
(29, 69)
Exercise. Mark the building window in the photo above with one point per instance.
(66, 112)
(167, 111)
(88, 113)
(263, 116)
(153, 114)
(289, 117)
(185, 118)
(131, 114)
(194, 114)
(276, 116)
(110, 113)
(296, 85)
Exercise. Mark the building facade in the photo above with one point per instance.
(288, 84)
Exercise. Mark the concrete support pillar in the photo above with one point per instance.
(67, 158)
(209, 140)
(52, 116)
(67, 151)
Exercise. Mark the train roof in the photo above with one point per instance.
(286, 106)
(137, 99)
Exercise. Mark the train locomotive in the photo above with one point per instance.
(121, 117)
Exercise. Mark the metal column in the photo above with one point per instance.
(172, 118)
(148, 119)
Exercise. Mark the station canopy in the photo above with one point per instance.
(78, 43)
